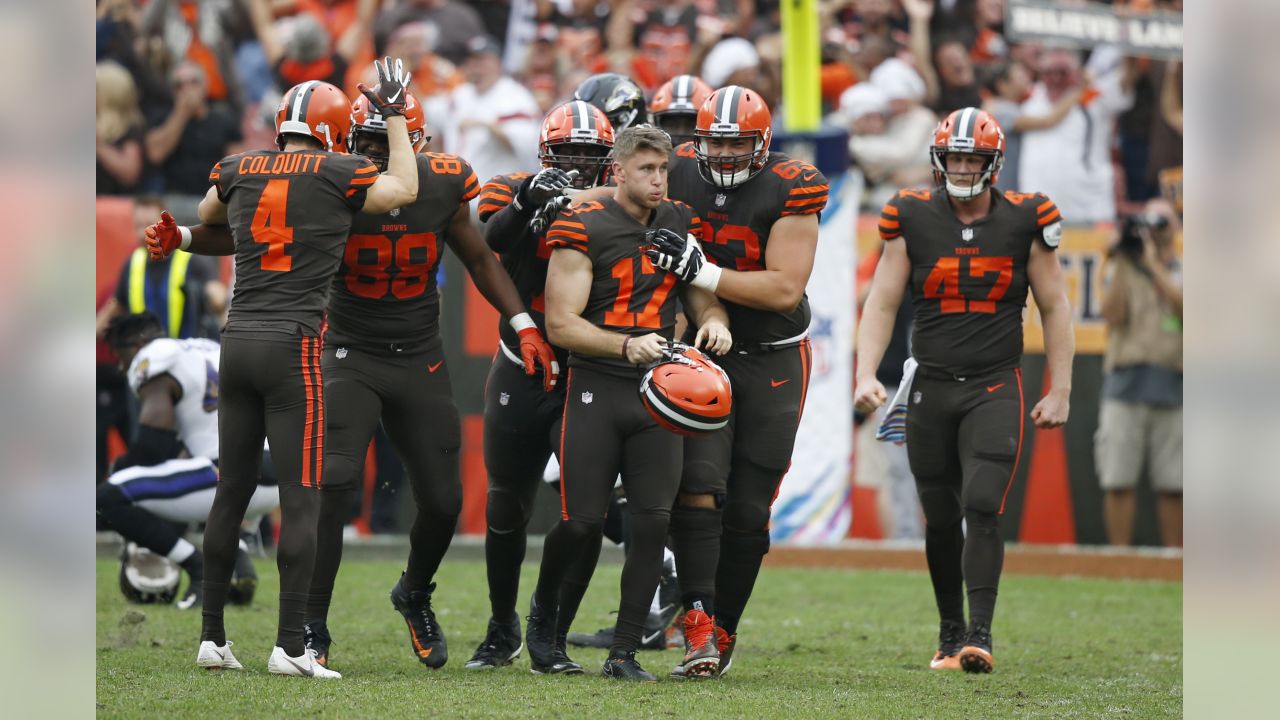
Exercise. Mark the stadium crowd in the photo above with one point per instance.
(181, 84)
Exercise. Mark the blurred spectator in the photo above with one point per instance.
(495, 121)
(1165, 168)
(1071, 161)
(580, 32)
(194, 137)
(732, 61)
(988, 21)
(183, 289)
(1133, 136)
(434, 77)
(541, 69)
(457, 22)
(836, 76)
(890, 131)
(1009, 84)
(306, 51)
(947, 68)
(1140, 422)
(113, 393)
(120, 130)
(120, 40)
(862, 20)
(195, 31)
(665, 38)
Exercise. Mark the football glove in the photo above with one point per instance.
(388, 97)
(548, 184)
(546, 214)
(682, 257)
(163, 237)
(535, 350)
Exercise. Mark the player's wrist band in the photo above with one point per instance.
(185, 232)
(522, 322)
(625, 341)
(708, 278)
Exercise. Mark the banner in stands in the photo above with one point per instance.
(814, 506)
(1148, 34)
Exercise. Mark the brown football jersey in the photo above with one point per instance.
(736, 226)
(969, 282)
(290, 214)
(385, 290)
(628, 293)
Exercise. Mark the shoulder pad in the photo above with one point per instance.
(157, 358)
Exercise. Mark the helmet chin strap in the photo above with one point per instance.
(961, 192)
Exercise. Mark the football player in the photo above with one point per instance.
(169, 474)
(675, 106)
(383, 360)
(521, 420)
(968, 253)
(760, 231)
(290, 211)
(618, 97)
(615, 312)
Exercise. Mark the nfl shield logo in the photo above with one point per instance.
(720, 199)
(587, 398)
(966, 234)
(915, 397)
(504, 398)
(395, 212)
(342, 352)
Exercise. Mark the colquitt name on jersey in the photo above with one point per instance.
(283, 164)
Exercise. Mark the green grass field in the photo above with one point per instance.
(815, 643)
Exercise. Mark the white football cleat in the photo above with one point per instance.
(304, 665)
(212, 657)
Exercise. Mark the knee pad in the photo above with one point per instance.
(941, 507)
(979, 522)
(580, 531)
(696, 523)
(750, 541)
(746, 518)
(506, 511)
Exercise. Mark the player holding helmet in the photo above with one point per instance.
(521, 419)
(383, 361)
(760, 216)
(290, 212)
(609, 305)
(969, 253)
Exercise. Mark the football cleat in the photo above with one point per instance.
(244, 578)
(602, 638)
(213, 657)
(501, 645)
(625, 667)
(304, 665)
(975, 656)
(424, 632)
(315, 635)
(193, 598)
(701, 656)
(951, 636)
(546, 652)
(724, 644)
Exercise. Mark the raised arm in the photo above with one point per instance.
(398, 186)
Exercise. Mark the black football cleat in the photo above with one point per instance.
(602, 638)
(315, 636)
(976, 655)
(501, 645)
(625, 667)
(424, 632)
(540, 635)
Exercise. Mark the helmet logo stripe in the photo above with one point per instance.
(300, 97)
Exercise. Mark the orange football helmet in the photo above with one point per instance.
(368, 135)
(577, 136)
(675, 106)
(967, 131)
(733, 112)
(686, 392)
(316, 109)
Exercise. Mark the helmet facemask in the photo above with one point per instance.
(680, 125)
(729, 171)
(981, 179)
(591, 160)
(370, 140)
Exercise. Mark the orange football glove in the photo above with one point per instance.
(535, 350)
(163, 237)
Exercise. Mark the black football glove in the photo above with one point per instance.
(682, 257)
(388, 98)
(548, 184)
(545, 215)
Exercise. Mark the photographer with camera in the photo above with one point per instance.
(1140, 422)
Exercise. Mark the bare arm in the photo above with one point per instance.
(788, 260)
(881, 309)
(124, 162)
(710, 317)
(213, 211)
(360, 32)
(398, 186)
(490, 278)
(161, 141)
(569, 277)
(261, 17)
(919, 12)
(1047, 285)
(1056, 113)
(156, 403)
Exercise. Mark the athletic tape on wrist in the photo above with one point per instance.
(522, 322)
(185, 232)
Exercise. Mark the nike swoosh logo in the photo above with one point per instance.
(993, 388)
(810, 176)
(393, 98)
(646, 639)
(433, 368)
(779, 383)
(309, 672)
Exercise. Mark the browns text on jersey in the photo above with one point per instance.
(969, 282)
(736, 226)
